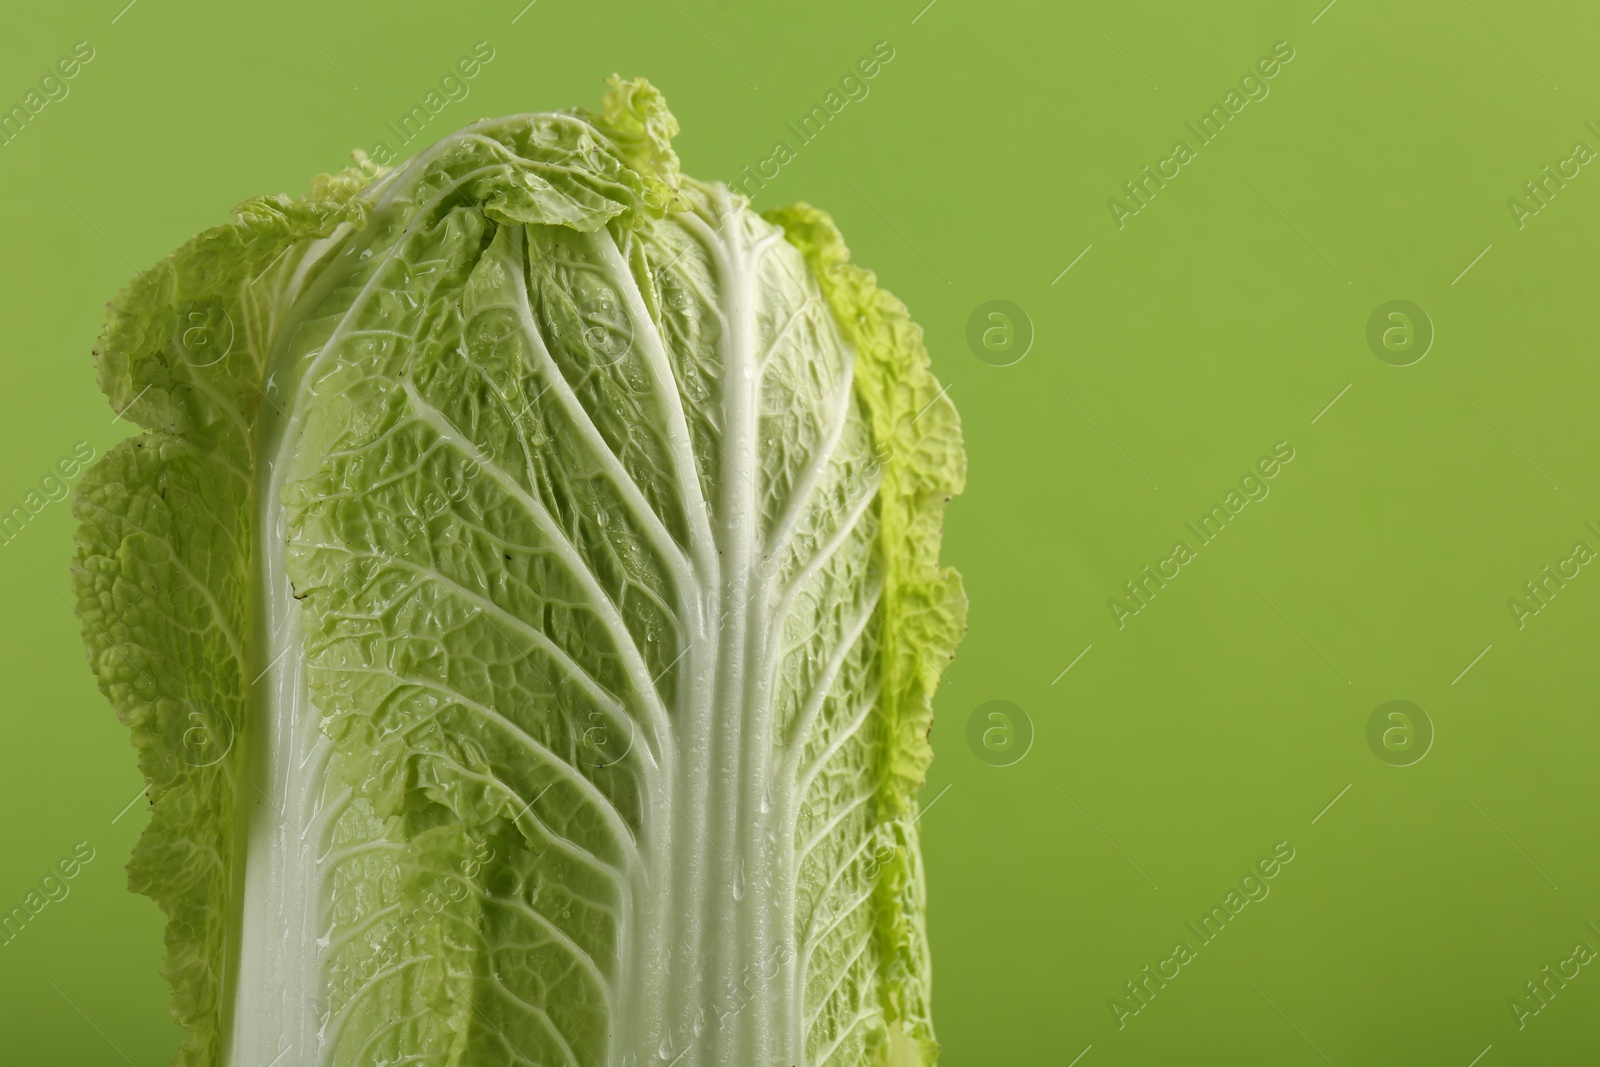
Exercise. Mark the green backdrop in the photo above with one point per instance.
(1161, 747)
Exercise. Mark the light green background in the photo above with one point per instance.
(1225, 316)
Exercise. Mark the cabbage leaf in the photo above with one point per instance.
(525, 603)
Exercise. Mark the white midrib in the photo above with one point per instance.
(275, 990)
(745, 717)
(719, 874)
(741, 784)
(278, 997)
